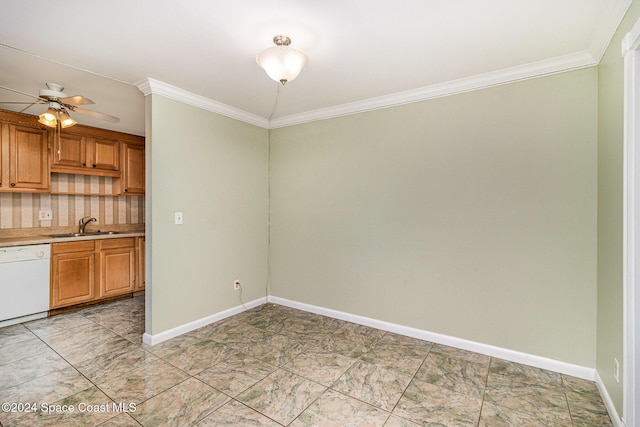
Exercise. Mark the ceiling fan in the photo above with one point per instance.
(59, 103)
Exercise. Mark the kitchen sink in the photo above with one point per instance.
(85, 234)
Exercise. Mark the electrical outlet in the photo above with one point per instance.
(616, 370)
(236, 285)
(45, 215)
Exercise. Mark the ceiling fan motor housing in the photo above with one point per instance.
(54, 92)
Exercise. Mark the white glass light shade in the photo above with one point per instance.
(282, 63)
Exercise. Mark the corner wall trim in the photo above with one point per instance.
(613, 414)
(191, 326)
(489, 350)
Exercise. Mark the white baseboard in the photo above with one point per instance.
(613, 414)
(489, 350)
(191, 326)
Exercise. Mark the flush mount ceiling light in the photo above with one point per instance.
(282, 62)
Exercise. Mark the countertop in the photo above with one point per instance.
(38, 236)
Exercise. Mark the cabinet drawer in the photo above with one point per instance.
(65, 247)
(127, 242)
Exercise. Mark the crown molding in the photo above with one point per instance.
(481, 81)
(509, 75)
(151, 86)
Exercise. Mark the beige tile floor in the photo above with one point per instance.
(269, 366)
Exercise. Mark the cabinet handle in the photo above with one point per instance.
(126, 189)
(95, 166)
(13, 184)
(84, 164)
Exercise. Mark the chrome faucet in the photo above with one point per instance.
(84, 221)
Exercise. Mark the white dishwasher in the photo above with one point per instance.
(24, 283)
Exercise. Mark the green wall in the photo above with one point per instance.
(493, 216)
(610, 208)
(472, 215)
(215, 170)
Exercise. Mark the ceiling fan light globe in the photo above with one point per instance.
(49, 115)
(66, 120)
(67, 123)
(48, 118)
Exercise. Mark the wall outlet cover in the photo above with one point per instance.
(45, 215)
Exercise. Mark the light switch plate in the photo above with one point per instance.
(45, 215)
(179, 218)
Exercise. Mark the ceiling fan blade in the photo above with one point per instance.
(21, 93)
(94, 114)
(76, 100)
(29, 106)
(20, 102)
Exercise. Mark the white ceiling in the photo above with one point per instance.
(362, 53)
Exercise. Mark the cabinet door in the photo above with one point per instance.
(28, 159)
(69, 150)
(72, 278)
(133, 175)
(104, 154)
(117, 274)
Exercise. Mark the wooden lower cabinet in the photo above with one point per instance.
(73, 267)
(91, 270)
(141, 257)
(117, 266)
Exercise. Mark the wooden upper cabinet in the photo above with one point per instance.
(69, 151)
(78, 154)
(133, 171)
(25, 159)
(104, 154)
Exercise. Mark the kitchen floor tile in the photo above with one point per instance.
(30, 368)
(236, 414)
(378, 386)
(198, 357)
(235, 374)
(323, 368)
(497, 416)
(273, 366)
(20, 347)
(43, 390)
(336, 409)
(111, 366)
(533, 398)
(182, 405)
(457, 374)
(143, 383)
(402, 354)
(428, 404)
(281, 396)
(89, 407)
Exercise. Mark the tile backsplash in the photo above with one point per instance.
(20, 210)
